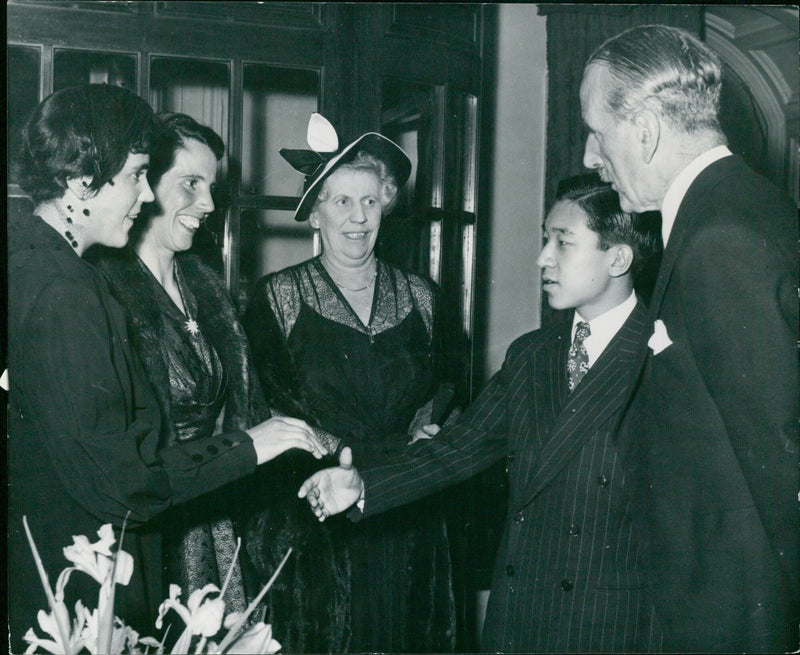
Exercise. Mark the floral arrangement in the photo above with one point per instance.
(100, 631)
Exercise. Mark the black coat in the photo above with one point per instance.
(85, 444)
(712, 432)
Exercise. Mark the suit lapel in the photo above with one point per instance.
(602, 392)
(547, 380)
(692, 207)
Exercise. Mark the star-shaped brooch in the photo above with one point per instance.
(192, 327)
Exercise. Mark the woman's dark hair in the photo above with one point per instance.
(81, 131)
(173, 131)
(600, 203)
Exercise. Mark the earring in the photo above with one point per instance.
(71, 239)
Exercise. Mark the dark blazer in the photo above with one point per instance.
(85, 443)
(566, 576)
(712, 431)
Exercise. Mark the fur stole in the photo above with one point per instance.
(135, 288)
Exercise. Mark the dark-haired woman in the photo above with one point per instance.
(85, 444)
(183, 324)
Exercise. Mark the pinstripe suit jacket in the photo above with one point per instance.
(566, 576)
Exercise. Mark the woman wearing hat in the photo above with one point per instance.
(350, 339)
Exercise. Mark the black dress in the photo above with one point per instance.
(198, 365)
(383, 583)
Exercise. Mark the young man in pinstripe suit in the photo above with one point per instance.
(567, 577)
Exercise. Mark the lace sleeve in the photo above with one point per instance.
(283, 295)
(422, 291)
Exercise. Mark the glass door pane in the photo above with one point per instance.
(196, 87)
(75, 67)
(270, 240)
(201, 89)
(411, 235)
(277, 104)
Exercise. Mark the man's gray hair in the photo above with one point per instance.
(665, 69)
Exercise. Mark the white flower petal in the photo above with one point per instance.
(107, 539)
(124, 568)
(321, 135)
(207, 620)
(256, 639)
(198, 595)
(61, 583)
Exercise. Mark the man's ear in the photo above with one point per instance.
(313, 220)
(648, 132)
(622, 260)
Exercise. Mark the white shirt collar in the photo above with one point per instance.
(603, 328)
(680, 185)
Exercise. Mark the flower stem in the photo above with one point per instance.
(238, 625)
(63, 630)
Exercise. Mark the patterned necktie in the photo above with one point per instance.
(578, 358)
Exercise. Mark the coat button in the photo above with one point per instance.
(227, 442)
(511, 457)
(574, 530)
(602, 480)
(519, 518)
(510, 570)
(212, 449)
(566, 584)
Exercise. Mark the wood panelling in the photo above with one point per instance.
(184, 35)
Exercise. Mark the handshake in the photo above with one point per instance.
(336, 489)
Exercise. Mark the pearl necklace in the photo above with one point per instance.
(364, 288)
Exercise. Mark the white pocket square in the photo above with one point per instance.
(660, 339)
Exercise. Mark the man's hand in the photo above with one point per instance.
(333, 490)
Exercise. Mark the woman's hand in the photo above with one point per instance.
(331, 491)
(281, 433)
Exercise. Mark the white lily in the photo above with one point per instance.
(50, 624)
(96, 559)
(202, 616)
(257, 639)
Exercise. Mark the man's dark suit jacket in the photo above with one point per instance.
(566, 576)
(710, 441)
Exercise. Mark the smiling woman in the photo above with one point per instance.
(87, 440)
(184, 326)
(77, 448)
(348, 342)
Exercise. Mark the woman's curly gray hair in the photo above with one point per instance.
(367, 162)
